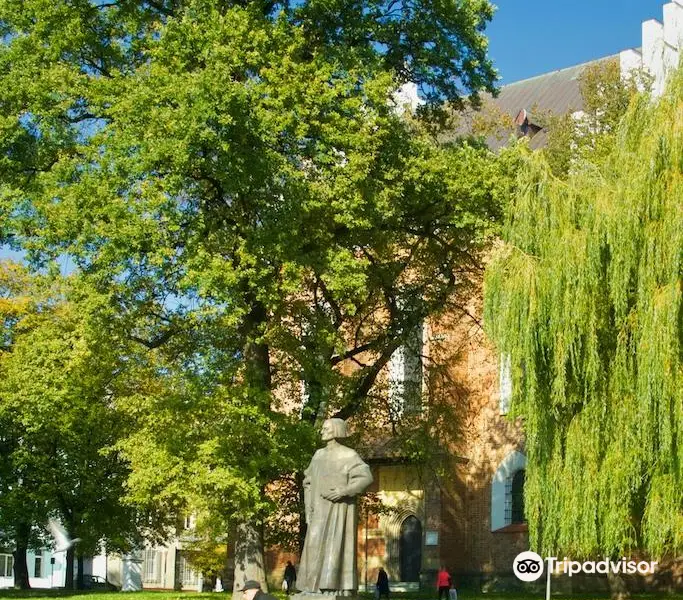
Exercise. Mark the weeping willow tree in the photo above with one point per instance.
(585, 296)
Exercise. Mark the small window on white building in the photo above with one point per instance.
(151, 566)
(6, 565)
(38, 567)
(189, 575)
(505, 384)
(189, 522)
(405, 376)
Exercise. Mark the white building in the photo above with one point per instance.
(45, 568)
(661, 47)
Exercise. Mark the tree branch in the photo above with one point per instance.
(367, 380)
(338, 317)
(160, 340)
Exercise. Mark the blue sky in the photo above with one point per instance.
(7, 253)
(530, 37)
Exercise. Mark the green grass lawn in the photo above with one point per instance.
(19, 595)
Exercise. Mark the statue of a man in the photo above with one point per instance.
(332, 481)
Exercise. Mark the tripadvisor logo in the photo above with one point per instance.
(529, 566)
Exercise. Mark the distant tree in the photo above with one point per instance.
(21, 504)
(206, 545)
(59, 421)
(606, 96)
(585, 296)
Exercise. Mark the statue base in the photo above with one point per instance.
(336, 595)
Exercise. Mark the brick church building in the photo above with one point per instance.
(471, 520)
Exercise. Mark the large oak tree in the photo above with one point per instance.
(236, 179)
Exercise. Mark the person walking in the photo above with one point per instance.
(382, 584)
(290, 577)
(443, 583)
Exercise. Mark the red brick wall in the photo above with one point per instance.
(459, 508)
(485, 439)
(276, 560)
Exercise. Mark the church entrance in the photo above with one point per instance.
(410, 549)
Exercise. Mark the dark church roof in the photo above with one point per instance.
(557, 92)
(523, 104)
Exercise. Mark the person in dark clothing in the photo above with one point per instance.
(382, 583)
(290, 577)
(252, 591)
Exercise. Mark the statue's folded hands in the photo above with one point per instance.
(335, 494)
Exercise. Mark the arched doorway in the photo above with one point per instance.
(410, 549)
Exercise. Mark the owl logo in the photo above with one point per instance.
(528, 566)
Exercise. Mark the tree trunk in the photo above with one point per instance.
(21, 581)
(249, 552)
(256, 353)
(69, 575)
(80, 574)
(249, 558)
(617, 586)
(177, 574)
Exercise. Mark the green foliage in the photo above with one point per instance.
(208, 453)
(585, 295)
(206, 544)
(57, 415)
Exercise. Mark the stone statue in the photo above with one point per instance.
(332, 481)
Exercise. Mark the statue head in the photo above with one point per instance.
(333, 429)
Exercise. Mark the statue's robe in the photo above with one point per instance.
(328, 561)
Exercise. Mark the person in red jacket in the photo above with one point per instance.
(443, 582)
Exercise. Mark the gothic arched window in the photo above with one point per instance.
(517, 497)
(509, 476)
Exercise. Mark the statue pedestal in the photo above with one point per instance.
(322, 596)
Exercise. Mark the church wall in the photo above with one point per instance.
(276, 560)
(470, 550)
